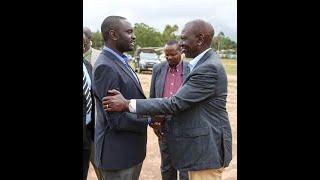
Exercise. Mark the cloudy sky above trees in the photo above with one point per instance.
(222, 14)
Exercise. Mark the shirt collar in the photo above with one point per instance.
(178, 67)
(195, 60)
(122, 57)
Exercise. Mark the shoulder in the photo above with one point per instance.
(96, 50)
(159, 66)
(185, 62)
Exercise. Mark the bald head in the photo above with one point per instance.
(87, 32)
(84, 42)
(196, 37)
(200, 27)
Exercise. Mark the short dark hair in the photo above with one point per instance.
(172, 42)
(110, 23)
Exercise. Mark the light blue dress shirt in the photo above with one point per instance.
(195, 60)
(85, 70)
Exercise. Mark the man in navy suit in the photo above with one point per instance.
(199, 132)
(120, 137)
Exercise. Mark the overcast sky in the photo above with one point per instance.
(222, 14)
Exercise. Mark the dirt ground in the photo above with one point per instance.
(151, 165)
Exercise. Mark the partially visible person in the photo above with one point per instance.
(167, 77)
(88, 114)
(199, 132)
(120, 138)
(90, 54)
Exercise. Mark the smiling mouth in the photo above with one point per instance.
(132, 43)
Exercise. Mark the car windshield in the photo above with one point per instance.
(151, 56)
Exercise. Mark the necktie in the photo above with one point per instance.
(86, 93)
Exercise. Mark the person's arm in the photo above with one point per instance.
(200, 85)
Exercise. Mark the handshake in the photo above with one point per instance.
(156, 123)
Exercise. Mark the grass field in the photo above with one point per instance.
(229, 64)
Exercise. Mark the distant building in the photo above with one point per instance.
(231, 54)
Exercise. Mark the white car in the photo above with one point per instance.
(162, 57)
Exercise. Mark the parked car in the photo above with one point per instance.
(145, 59)
(162, 57)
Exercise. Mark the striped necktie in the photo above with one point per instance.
(86, 93)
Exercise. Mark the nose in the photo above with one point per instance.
(133, 36)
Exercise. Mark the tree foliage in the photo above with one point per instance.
(97, 40)
(147, 36)
(168, 33)
(220, 42)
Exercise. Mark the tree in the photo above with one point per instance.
(168, 33)
(146, 36)
(97, 40)
(220, 42)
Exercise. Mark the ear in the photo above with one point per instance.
(200, 39)
(112, 35)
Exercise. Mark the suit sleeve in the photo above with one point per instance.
(200, 85)
(105, 78)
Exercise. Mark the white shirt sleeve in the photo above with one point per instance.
(132, 106)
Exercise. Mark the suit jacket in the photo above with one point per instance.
(88, 130)
(120, 137)
(199, 133)
(94, 55)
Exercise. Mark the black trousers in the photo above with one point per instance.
(86, 152)
(131, 173)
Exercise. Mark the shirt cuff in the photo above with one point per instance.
(149, 120)
(132, 106)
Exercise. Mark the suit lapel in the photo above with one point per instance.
(186, 70)
(204, 57)
(124, 68)
(129, 73)
(163, 73)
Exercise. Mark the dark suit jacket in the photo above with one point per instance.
(88, 130)
(120, 138)
(199, 133)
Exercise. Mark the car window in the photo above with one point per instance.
(151, 56)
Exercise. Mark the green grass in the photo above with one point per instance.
(229, 64)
